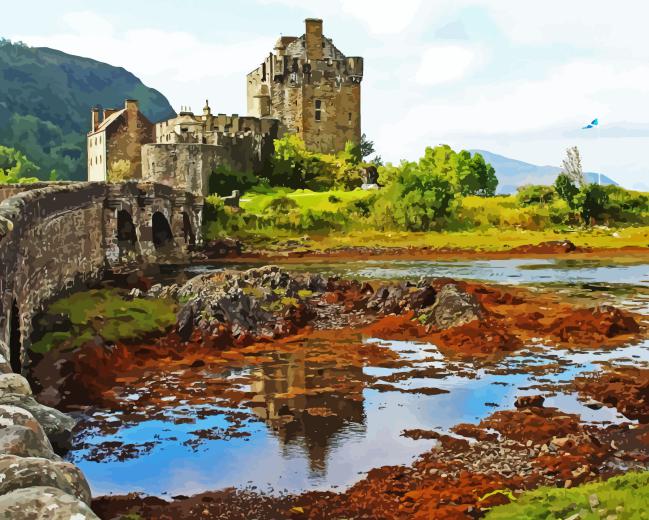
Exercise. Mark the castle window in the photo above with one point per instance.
(318, 110)
(95, 140)
(349, 117)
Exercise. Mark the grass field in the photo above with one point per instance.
(624, 497)
(306, 199)
(481, 224)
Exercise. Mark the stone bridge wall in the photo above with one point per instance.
(55, 236)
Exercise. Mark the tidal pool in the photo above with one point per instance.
(297, 423)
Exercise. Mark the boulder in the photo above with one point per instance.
(57, 425)
(43, 502)
(24, 442)
(15, 416)
(454, 307)
(14, 384)
(185, 320)
(24, 472)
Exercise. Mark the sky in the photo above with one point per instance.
(515, 77)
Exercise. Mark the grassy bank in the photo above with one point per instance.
(626, 496)
(105, 313)
(279, 219)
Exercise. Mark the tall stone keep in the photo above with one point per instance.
(312, 88)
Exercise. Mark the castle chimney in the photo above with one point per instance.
(109, 111)
(94, 121)
(131, 105)
(313, 37)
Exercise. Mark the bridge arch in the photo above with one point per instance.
(126, 234)
(162, 235)
(15, 339)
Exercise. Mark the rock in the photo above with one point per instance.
(15, 416)
(185, 321)
(593, 500)
(43, 502)
(527, 401)
(57, 425)
(14, 384)
(454, 307)
(23, 472)
(24, 442)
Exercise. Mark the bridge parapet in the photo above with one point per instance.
(56, 235)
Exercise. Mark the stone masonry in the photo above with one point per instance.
(312, 88)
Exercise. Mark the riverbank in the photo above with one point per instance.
(314, 250)
(595, 241)
(327, 377)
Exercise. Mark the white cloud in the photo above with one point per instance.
(383, 17)
(186, 68)
(446, 63)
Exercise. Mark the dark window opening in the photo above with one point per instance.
(318, 110)
(162, 235)
(125, 227)
(15, 358)
(349, 117)
(188, 232)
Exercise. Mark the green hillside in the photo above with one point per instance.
(45, 101)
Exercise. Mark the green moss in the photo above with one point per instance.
(303, 294)
(626, 496)
(105, 313)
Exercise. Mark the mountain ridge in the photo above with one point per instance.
(45, 100)
(513, 173)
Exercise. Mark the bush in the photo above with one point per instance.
(15, 167)
(220, 220)
(223, 181)
(535, 194)
(592, 201)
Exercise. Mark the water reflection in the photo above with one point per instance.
(306, 403)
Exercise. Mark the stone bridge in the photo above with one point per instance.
(54, 236)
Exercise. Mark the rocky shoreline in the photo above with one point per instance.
(235, 316)
(35, 482)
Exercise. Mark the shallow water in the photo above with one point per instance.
(271, 442)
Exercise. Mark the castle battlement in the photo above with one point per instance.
(311, 87)
(306, 86)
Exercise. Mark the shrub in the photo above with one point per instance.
(535, 194)
(224, 180)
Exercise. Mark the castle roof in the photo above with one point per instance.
(108, 121)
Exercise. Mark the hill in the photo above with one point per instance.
(512, 173)
(45, 101)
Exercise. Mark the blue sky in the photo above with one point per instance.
(513, 77)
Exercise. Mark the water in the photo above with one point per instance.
(300, 419)
(507, 271)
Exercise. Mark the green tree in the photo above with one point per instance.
(15, 167)
(592, 200)
(224, 180)
(366, 147)
(419, 197)
(485, 176)
(566, 189)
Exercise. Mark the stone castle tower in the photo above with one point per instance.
(312, 88)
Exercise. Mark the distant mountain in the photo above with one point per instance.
(45, 101)
(512, 173)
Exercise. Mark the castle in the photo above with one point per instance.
(307, 87)
(311, 87)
